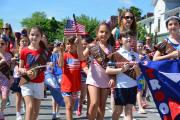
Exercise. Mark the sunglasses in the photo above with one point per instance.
(2, 44)
(128, 17)
(5, 28)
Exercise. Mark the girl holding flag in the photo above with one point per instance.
(71, 64)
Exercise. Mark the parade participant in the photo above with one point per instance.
(71, 64)
(148, 46)
(85, 40)
(126, 84)
(32, 81)
(97, 80)
(170, 47)
(141, 80)
(24, 41)
(126, 20)
(57, 73)
(45, 39)
(7, 30)
(5, 63)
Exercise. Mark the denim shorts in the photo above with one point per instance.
(70, 94)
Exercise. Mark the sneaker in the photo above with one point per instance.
(142, 111)
(54, 117)
(79, 110)
(18, 117)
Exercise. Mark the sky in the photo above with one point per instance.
(13, 11)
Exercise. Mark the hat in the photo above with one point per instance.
(172, 17)
(56, 43)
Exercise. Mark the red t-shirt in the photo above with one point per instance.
(71, 77)
(29, 56)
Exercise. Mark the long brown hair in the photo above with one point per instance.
(111, 40)
(120, 20)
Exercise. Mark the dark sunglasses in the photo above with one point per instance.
(5, 28)
(128, 17)
(2, 44)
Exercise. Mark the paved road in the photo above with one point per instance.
(45, 111)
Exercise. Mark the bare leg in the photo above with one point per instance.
(18, 102)
(36, 103)
(128, 112)
(102, 103)
(94, 94)
(69, 107)
(29, 107)
(117, 112)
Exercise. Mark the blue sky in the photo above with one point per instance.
(13, 11)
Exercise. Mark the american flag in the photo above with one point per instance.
(72, 29)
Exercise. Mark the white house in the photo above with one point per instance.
(162, 10)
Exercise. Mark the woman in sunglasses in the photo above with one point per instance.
(126, 20)
(7, 30)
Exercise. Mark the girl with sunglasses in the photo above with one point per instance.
(11, 44)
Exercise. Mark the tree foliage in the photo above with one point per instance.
(55, 29)
(90, 23)
(141, 32)
(1, 24)
(137, 12)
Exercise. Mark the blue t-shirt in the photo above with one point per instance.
(54, 58)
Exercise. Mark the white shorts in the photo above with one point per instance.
(36, 90)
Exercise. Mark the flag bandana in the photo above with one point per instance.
(163, 78)
(72, 29)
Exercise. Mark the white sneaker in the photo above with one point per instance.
(19, 117)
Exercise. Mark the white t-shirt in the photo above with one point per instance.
(123, 80)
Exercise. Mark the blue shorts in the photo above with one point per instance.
(124, 96)
(15, 85)
(70, 94)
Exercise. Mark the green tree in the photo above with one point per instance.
(55, 29)
(51, 27)
(141, 32)
(90, 24)
(1, 24)
(37, 18)
(137, 12)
